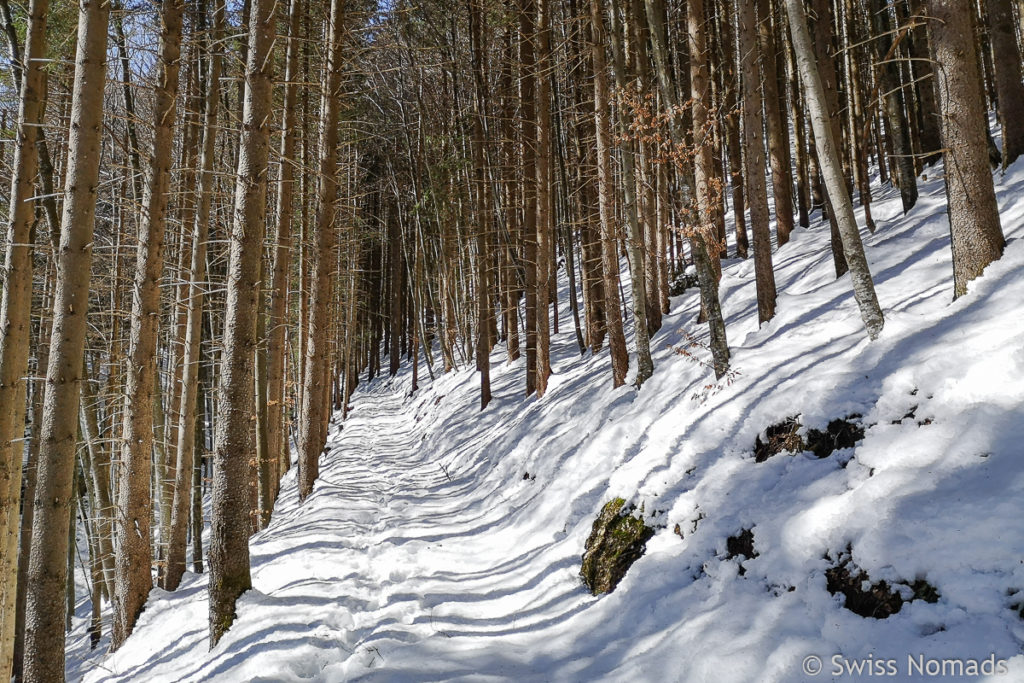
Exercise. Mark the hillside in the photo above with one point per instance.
(442, 543)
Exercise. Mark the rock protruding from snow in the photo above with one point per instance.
(617, 541)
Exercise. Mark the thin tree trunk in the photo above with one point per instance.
(828, 155)
(606, 198)
(753, 148)
(778, 144)
(634, 238)
(483, 217)
(1007, 63)
(276, 433)
(317, 362)
(186, 442)
(701, 242)
(132, 577)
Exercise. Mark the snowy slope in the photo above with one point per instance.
(425, 553)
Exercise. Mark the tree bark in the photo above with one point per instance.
(828, 156)
(1010, 88)
(15, 320)
(133, 561)
(778, 144)
(192, 357)
(277, 437)
(233, 444)
(47, 577)
(634, 237)
(975, 229)
(753, 148)
(701, 243)
(544, 193)
(606, 198)
(317, 361)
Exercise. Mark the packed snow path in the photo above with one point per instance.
(390, 546)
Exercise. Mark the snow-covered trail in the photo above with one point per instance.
(391, 546)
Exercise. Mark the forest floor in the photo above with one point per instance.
(442, 543)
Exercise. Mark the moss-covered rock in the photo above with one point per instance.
(618, 539)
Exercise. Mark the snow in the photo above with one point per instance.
(426, 553)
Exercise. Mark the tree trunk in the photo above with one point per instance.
(606, 198)
(133, 561)
(483, 215)
(826, 68)
(1006, 59)
(186, 442)
(828, 156)
(233, 445)
(317, 360)
(732, 132)
(634, 238)
(753, 148)
(15, 321)
(277, 441)
(544, 193)
(703, 256)
(47, 577)
(895, 108)
(778, 143)
(975, 230)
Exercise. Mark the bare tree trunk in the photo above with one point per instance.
(186, 442)
(483, 217)
(702, 241)
(233, 445)
(732, 131)
(828, 156)
(1006, 60)
(753, 154)
(895, 108)
(544, 194)
(133, 561)
(634, 238)
(276, 430)
(15, 321)
(824, 21)
(47, 577)
(606, 198)
(317, 361)
(975, 229)
(778, 144)
(529, 137)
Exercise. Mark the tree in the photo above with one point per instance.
(828, 156)
(48, 572)
(975, 230)
(606, 198)
(634, 235)
(312, 436)
(1006, 58)
(753, 147)
(186, 442)
(132, 566)
(233, 443)
(15, 322)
